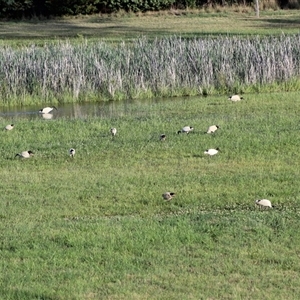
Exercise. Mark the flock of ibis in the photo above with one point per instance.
(186, 129)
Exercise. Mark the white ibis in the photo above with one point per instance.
(212, 128)
(47, 110)
(168, 195)
(25, 154)
(185, 129)
(9, 127)
(212, 151)
(162, 137)
(235, 98)
(264, 203)
(72, 152)
(113, 131)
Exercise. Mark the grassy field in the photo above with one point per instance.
(122, 27)
(96, 226)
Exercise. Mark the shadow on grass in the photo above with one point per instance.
(276, 23)
(97, 28)
(32, 31)
(283, 22)
(122, 28)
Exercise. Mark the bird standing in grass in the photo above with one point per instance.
(212, 128)
(25, 154)
(113, 131)
(264, 203)
(168, 195)
(212, 151)
(185, 129)
(9, 127)
(235, 98)
(162, 137)
(47, 110)
(72, 152)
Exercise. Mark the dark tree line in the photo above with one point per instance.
(48, 8)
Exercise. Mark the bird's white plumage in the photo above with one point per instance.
(72, 152)
(264, 203)
(47, 110)
(113, 131)
(168, 195)
(211, 151)
(186, 129)
(212, 128)
(235, 98)
(25, 154)
(9, 127)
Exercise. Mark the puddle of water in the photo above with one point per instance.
(109, 109)
(105, 110)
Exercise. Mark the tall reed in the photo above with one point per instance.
(145, 68)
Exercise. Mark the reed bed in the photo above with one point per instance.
(172, 66)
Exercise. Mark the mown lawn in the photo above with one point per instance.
(130, 26)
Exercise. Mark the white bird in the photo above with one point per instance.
(113, 131)
(264, 203)
(46, 110)
(212, 152)
(25, 154)
(72, 152)
(9, 127)
(185, 129)
(235, 98)
(168, 195)
(212, 128)
(162, 137)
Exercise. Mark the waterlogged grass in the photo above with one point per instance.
(96, 227)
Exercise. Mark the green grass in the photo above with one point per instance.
(152, 25)
(96, 226)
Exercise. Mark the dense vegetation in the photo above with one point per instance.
(46, 8)
(145, 68)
